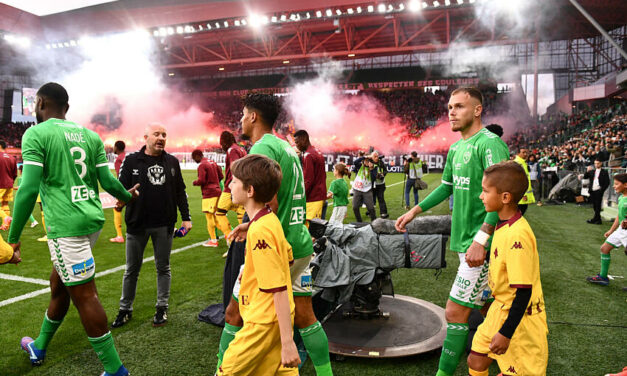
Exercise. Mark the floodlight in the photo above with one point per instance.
(358, 9)
(283, 17)
(329, 13)
(350, 10)
(179, 29)
(436, 4)
(244, 22)
(381, 8)
(370, 8)
(236, 23)
(170, 30)
(47, 46)
(447, 2)
(460, 2)
(72, 43)
(155, 33)
(401, 6)
(414, 5)
(274, 19)
(226, 23)
(318, 14)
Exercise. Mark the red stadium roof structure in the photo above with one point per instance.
(339, 35)
(206, 38)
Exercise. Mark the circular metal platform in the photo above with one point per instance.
(414, 326)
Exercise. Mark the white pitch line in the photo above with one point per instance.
(99, 274)
(12, 277)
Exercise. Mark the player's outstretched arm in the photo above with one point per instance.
(25, 200)
(289, 353)
(404, 219)
(441, 193)
(112, 185)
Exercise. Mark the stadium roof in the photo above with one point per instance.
(338, 31)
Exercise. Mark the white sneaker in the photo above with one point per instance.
(34, 224)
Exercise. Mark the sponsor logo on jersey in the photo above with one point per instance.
(135, 171)
(156, 175)
(261, 244)
(458, 166)
(297, 216)
(305, 281)
(517, 245)
(83, 267)
(79, 193)
(461, 182)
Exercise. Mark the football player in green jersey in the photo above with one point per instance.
(259, 114)
(65, 162)
(471, 226)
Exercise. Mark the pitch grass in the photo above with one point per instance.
(586, 322)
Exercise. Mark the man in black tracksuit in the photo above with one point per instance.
(151, 215)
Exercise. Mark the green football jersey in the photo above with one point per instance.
(70, 155)
(291, 195)
(463, 170)
(339, 187)
(622, 208)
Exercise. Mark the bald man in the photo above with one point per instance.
(153, 215)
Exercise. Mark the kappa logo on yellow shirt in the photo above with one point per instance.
(261, 244)
(517, 245)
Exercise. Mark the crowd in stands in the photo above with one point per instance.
(12, 133)
(573, 142)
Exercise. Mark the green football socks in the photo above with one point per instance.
(228, 333)
(317, 345)
(453, 348)
(48, 328)
(605, 264)
(105, 349)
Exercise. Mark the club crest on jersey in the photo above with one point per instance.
(511, 369)
(156, 175)
(517, 245)
(466, 156)
(261, 244)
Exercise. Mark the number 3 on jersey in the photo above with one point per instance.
(80, 161)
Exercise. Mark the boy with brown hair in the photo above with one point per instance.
(264, 345)
(514, 332)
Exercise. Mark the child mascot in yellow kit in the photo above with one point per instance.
(514, 332)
